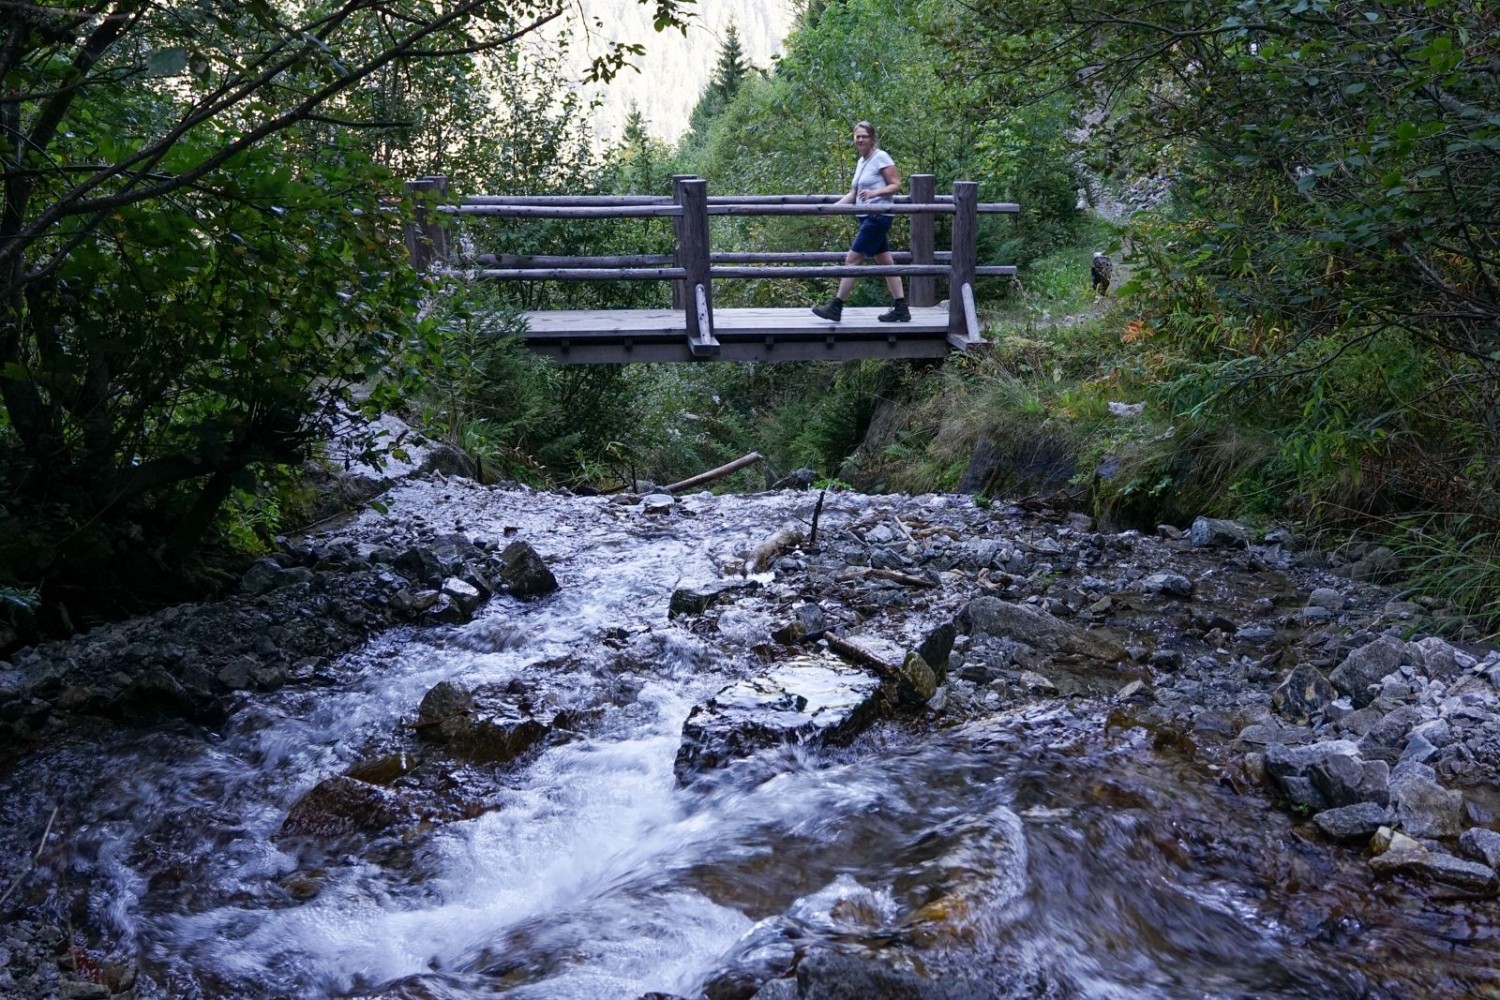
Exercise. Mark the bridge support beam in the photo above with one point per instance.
(965, 252)
(923, 291)
(693, 249)
(426, 236)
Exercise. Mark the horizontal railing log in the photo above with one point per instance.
(728, 271)
(665, 259)
(693, 266)
(640, 201)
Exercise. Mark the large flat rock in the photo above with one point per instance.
(810, 701)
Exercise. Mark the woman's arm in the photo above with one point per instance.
(892, 178)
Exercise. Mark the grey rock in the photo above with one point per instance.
(524, 572)
(1326, 598)
(777, 989)
(1482, 845)
(1354, 822)
(1037, 628)
(1304, 695)
(262, 576)
(1364, 668)
(1171, 584)
(464, 595)
(238, 673)
(1386, 738)
(1423, 807)
(1346, 780)
(1440, 661)
(1213, 532)
(814, 701)
(1436, 867)
(1378, 565)
(445, 701)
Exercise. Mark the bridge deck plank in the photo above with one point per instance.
(609, 324)
(615, 336)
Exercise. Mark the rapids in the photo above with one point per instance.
(1041, 852)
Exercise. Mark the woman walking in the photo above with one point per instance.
(876, 181)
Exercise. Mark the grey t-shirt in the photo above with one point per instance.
(869, 174)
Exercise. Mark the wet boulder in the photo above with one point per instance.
(1035, 628)
(811, 701)
(1434, 866)
(524, 573)
(463, 597)
(1327, 775)
(1357, 822)
(827, 976)
(696, 600)
(444, 710)
(341, 807)
(500, 738)
(491, 734)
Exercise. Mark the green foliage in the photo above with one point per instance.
(1326, 267)
(878, 60)
(198, 275)
(1453, 563)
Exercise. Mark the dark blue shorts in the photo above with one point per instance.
(871, 238)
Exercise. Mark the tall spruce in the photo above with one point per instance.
(732, 67)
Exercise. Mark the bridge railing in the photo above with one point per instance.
(694, 265)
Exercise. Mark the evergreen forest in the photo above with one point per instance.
(204, 275)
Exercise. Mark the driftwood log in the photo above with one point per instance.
(788, 537)
(712, 474)
(896, 576)
(860, 656)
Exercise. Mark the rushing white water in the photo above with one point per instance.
(1034, 854)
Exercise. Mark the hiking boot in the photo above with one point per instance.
(833, 311)
(898, 314)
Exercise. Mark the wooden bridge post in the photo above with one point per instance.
(679, 292)
(963, 321)
(923, 291)
(694, 250)
(426, 236)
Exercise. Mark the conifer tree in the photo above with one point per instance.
(732, 67)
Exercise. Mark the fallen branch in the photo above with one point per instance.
(860, 656)
(790, 536)
(865, 572)
(37, 856)
(712, 474)
(812, 539)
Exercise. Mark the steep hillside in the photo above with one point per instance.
(675, 69)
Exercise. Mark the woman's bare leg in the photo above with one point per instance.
(846, 285)
(893, 282)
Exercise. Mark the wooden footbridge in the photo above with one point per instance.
(693, 329)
